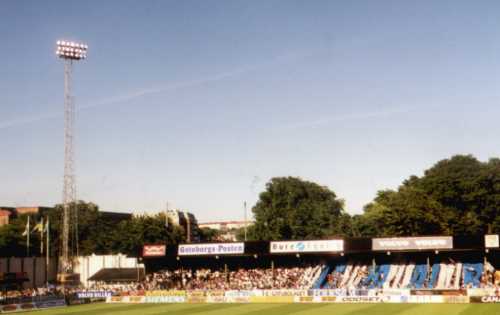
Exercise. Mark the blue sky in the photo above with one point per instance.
(200, 103)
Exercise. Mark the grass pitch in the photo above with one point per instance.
(277, 309)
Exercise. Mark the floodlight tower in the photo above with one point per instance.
(69, 52)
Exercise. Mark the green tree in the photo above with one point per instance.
(95, 232)
(490, 189)
(371, 222)
(455, 184)
(207, 234)
(12, 240)
(407, 212)
(12, 243)
(131, 235)
(291, 208)
(459, 196)
(84, 227)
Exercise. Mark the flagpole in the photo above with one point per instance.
(47, 260)
(28, 238)
(41, 239)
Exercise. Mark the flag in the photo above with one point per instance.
(27, 229)
(47, 252)
(38, 227)
(46, 226)
(27, 234)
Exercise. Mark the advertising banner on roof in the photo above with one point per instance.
(154, 250)
(307, 246)
(491, 241)
(412, 243)
(211, 249)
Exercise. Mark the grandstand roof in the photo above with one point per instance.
(432, 244)
(118, 275)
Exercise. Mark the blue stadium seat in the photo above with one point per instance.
(418, 277)
(434, 275)
(382, 275)
(322, 278)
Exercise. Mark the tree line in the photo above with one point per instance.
(456, 196)
(96, 232)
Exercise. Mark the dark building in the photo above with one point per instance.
(187, 221)
(115, 217)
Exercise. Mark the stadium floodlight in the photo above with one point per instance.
(71, 50)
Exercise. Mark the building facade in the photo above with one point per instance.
(187, 221)
(228, 230)
(4, 216)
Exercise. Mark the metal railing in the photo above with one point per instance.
(30, 299)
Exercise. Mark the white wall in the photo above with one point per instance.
(87, 266)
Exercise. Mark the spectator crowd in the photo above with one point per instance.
(207, 279)
(300, 278)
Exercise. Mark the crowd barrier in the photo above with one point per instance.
(312, 296)
(29, 299)
(30, 306)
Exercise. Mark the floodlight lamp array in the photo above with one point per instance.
(71, 50)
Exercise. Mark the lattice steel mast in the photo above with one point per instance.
(69, 52)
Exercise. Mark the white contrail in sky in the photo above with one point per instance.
(283, 59)
(27, 120)
(197, 82)
(351, 116)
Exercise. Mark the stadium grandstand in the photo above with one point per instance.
(430, 269)
(420, 263)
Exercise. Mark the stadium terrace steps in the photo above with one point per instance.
(458, 276)
(403, 275)
(442, 275)
(434, 275)
(421, 273)
(320, 281)
(472, 273)
(399, 276)
(405, 283)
